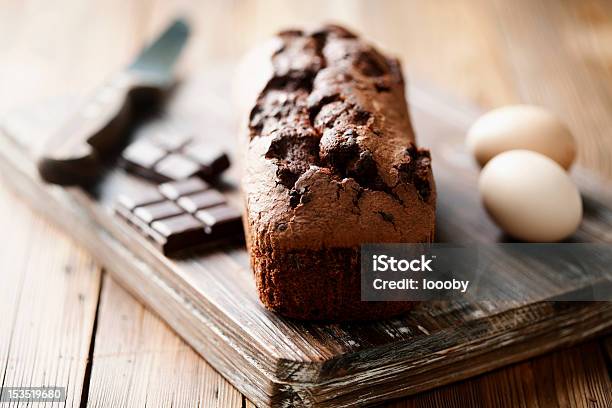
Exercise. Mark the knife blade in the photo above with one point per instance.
(158, 59)
(75, 155)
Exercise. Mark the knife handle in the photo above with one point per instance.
(75, 154)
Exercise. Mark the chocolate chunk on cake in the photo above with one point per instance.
(331, 163)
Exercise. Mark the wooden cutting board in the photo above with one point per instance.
(209, 296)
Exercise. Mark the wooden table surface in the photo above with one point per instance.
(64, 322)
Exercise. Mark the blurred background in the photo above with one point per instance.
(555, 53)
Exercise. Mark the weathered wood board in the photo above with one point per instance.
(209, 296)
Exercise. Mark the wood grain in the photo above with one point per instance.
(48, 299)
(576, 377)
(138, 361)
(606, 344)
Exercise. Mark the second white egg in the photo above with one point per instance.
(530, 196)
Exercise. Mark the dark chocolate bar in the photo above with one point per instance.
(164, 154)
(180, 214)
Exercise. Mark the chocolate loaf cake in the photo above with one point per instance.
(331, 163)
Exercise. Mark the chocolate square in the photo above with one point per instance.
(198, 201)
(165, 215)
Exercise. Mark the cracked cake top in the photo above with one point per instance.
(332, 158)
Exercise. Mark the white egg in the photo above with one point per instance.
(530, 196)
(521, 127)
